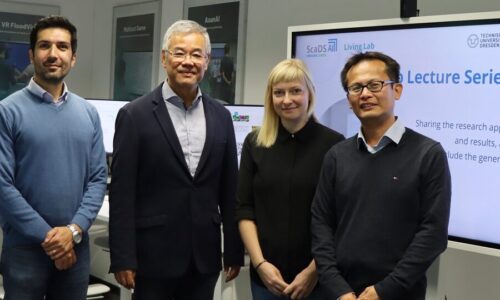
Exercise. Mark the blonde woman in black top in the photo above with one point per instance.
(279, 171)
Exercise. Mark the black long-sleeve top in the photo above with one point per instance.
(276, 186)
(381, 219)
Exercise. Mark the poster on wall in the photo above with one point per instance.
(15, 67)
(133, 56)
(135, 50)
(222, 23)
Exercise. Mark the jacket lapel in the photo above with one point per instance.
(209, 138)
(162, 116)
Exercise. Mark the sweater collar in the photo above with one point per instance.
(304, 134)
(38, 91)
(393, 134)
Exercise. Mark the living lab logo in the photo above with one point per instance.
(240, 118)
(484, 40)
(321, 50)
(359, 47)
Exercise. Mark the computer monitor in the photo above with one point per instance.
(245, 119)
(107, 110)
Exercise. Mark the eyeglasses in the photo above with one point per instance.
(373, 86)
(196, 57)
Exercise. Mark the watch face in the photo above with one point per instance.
(77, 237)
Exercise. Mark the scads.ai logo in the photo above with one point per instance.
(322, 50)
(484, 40)
(240, 118)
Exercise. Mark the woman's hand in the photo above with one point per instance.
(303, 284)
(272, 279)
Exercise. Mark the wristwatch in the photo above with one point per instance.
(77, 237)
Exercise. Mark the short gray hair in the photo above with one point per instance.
(185, 27)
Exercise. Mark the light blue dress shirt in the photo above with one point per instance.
(189, 124)
(394, 134)
(36, 89)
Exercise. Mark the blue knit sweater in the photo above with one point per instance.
(52, 166)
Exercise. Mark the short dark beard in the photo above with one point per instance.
(52, 80)
(44, 80)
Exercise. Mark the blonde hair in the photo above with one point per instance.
(285, 71)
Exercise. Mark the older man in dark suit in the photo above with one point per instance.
(173, 181)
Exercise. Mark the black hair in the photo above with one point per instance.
(391, 65)
(53, 22)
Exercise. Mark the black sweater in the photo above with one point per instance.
(381, 219)
(276, 186)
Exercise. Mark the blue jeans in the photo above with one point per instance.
(260, 292)
(29, 274)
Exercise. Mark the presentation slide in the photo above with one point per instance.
(451, 78)
(245, 119)
(108, 110)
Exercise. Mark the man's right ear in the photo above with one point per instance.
(163, 57)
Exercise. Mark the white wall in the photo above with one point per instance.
(460, 275)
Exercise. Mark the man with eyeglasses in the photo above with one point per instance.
(174, 175)
(381, 209)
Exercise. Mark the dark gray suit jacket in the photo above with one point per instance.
(160, 216)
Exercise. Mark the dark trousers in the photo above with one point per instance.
(29, 274)
(190, 286)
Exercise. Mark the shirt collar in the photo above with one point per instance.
(394, 134)
(302, 135)
(37, 90)
(170, 96)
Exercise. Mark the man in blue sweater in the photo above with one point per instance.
(52, 174)
(381, 210)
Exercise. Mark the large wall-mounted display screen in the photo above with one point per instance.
(450, 70)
